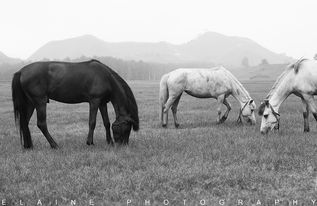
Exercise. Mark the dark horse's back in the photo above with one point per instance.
(67, 82)
(83, 80)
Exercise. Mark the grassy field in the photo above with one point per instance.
(200, 161)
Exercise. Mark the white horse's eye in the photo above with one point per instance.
(266, 116)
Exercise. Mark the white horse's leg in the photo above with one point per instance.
(165, 118)
(171, 99)
(166, 107)
(225, 116)
(174, 110)
(220, 101)
(305, 115)
(163, 98)
(312, 106)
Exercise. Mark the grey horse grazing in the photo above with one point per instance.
(216, 83)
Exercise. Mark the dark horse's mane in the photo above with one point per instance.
(131, 102)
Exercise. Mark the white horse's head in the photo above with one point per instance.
(247, 112)
(270, 118)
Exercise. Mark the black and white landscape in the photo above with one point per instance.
(205, 157)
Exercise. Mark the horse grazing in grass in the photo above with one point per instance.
(299, 78)
(90, 81)
(216, 83)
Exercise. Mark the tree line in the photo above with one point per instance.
(128, 69)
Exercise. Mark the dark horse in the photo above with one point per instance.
(90, 81)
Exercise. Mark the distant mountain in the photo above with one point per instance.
(208, 47)
(229, 50)
(8, 60)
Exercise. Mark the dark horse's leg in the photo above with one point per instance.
(29, 112)
(41, 120)
(104, 113)
(93, 108)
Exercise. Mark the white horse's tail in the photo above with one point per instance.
(163, 94)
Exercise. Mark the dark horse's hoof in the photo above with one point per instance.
(54, 146)
(110, 142)
(28, 146)
(164, 125)
(176, 125)
(89, 143)
(306, 129)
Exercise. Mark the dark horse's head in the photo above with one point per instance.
(121, 127)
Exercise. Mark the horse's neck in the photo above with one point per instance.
(281, 92)
(118, 103)
(119, 109)
(239, 92)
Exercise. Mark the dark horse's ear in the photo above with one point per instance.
(264, 104)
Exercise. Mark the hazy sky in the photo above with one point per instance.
(283, 26)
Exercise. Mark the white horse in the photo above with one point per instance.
(216, 83)
(300, 79)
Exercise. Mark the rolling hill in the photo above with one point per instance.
(208, 47)
(4, 59)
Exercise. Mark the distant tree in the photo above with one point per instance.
(315, 57)
(67, 59)
(245, 62)
(264, 62)
(84, 58)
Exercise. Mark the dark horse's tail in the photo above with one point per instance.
(20, 103)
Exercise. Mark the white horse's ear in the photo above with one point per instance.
(266, 102)
(251, 101)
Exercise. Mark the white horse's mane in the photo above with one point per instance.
(277, 82)
(296, 65)
(239, 85)
(279, 79)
